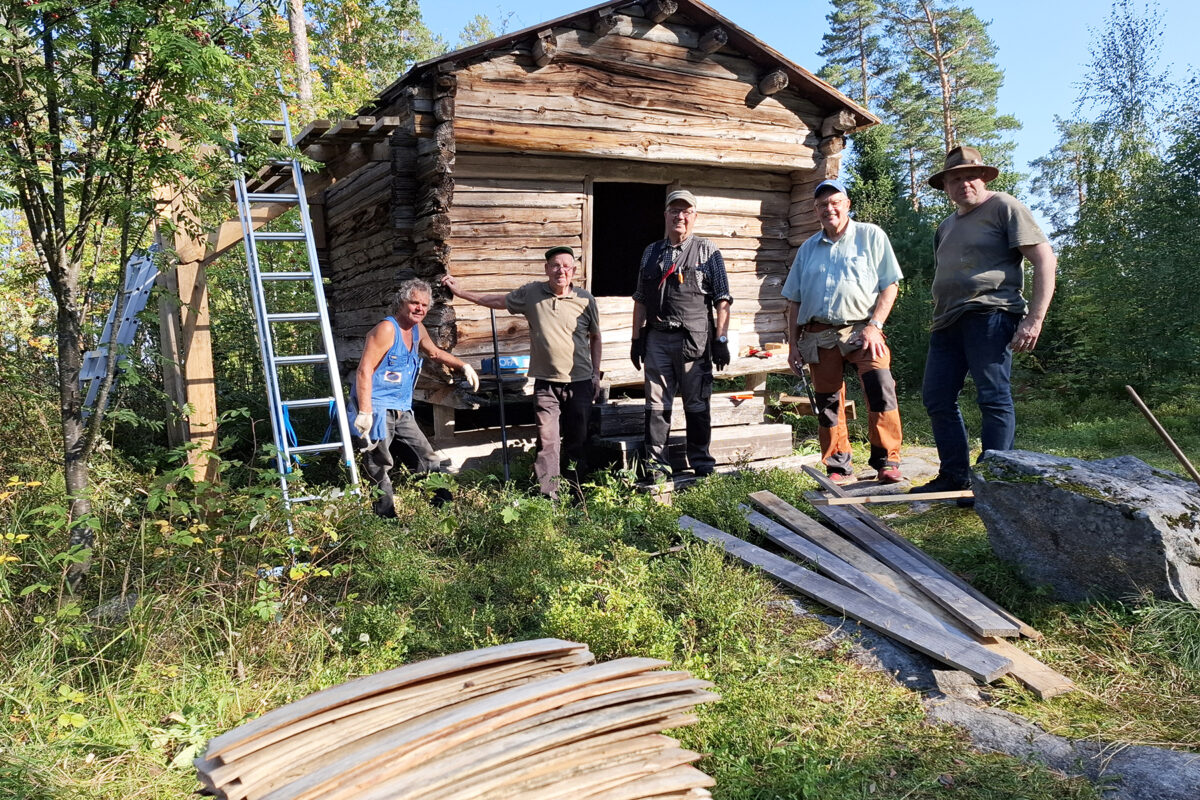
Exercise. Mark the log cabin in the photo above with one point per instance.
(573, 132)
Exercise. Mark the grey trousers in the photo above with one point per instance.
(402, 433)
(561, 411)
(666, 374)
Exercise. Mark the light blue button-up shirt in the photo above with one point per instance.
(839, 282)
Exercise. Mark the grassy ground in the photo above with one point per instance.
(99, 706)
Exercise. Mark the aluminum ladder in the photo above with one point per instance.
(140, 273)
(260, 276)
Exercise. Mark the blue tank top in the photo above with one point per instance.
(393, 380)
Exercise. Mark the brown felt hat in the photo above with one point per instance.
(959, 158)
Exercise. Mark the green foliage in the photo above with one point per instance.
(855, 50)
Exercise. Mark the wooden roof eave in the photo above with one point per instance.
(739, 39)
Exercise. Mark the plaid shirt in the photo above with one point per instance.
(713, 280)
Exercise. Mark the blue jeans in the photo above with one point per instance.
(977, 342)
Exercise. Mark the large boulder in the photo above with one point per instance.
(1112, 528)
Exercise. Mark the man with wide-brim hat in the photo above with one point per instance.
(980, 317)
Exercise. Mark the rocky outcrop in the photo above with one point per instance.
(1113, 528)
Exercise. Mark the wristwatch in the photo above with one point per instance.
(876, 323)
(723, 339)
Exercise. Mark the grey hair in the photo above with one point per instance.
(406, 292)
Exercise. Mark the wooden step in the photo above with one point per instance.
(730, 445)
(626, 416)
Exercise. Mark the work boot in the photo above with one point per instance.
(656, 458)
(942, 483)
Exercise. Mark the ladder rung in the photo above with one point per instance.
(324, 447)
(278, 123)
(285, 276)
(315, 358)
(279, 236)
(297, 316)
(312, 402)
(271, 197)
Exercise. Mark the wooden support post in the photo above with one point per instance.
(756, 381)
(443, 425)
(545, 47)
(772, 82)
(713, 39)
(659, 10)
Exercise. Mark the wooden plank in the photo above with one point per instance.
(1042, 680)
(884, 530)
(889, 498)
(840, 570)
(627, 416)
(729, 445)
(391, 753)
(933, 642)
(385, 681)
(804, 406)
(973, 614)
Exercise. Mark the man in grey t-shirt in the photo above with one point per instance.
(980, 317)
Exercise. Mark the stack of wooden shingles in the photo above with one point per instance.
(531, 720)
(872, 574)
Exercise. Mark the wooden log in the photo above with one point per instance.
(658, 10)
(933, 642)
(837, 124)
(832, 145)
(604, 21)
(773, 82)
(884, 530)
(713, 39)
(729, 446)
(544, 47)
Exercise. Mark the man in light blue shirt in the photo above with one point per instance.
(840, 290)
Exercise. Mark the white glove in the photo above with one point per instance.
(362, 423)
(470, 376)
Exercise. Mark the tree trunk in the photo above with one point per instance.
(299, 30)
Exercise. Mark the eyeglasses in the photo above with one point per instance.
(561, 268)
(680, 212)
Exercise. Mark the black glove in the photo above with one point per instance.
(637, 351)
(720, 354)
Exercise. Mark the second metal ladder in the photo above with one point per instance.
(286, 452)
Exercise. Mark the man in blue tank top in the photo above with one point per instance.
(382, 393)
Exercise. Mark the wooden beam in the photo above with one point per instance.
(772, 82)
(604, 21)
(1031, 673)
(890, 498)
(933, 642)
(713, 39)
(884, 530)
(659, 10)
(544, 48)
(966, 608)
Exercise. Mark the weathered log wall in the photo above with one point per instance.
(509, 209)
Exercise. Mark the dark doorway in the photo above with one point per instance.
(625, 218)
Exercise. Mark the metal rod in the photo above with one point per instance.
(500, 390)
(1166, 437)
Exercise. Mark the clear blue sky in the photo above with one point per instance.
(1043, 44)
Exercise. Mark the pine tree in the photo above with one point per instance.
(952, 67)
(855, 51)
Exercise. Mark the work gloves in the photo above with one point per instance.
(362, 424)
(637, 351)
(720, 354)
(471, 377)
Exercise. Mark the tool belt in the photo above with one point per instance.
(817, 336)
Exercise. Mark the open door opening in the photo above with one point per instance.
(625, 218)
